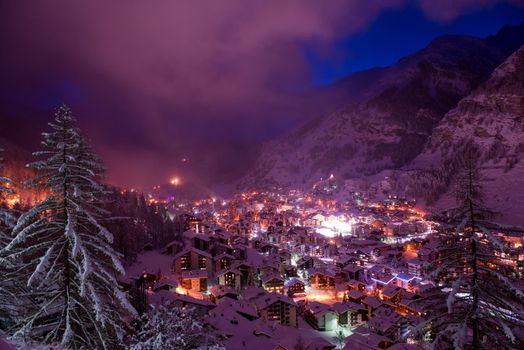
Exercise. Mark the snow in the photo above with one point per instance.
(4, 345)
(152, 262)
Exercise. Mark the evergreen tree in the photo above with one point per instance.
(171, 327)
(63, 253)
(7, 219)
(473, 303)
(340, 338)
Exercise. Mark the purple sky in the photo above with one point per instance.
(153, 82)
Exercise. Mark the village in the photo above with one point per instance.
(301, 270)
(296, 271)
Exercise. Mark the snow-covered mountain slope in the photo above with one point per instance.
(388, 116)
(492, 117)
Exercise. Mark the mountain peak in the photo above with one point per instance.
(388, 116)
(508, 38)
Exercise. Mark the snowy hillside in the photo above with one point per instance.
(493, 117)
(388, 120)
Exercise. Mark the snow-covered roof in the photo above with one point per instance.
(293, 281)
(219, 290)
(318, 308)
(270, 298)
(341, 307)
(192, 249)
(194, 274)
(271, 276)
(372, 301)
(355, 294)
(232, 270)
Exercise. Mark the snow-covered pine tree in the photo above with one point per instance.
(6, 217)
(172, 327)
(473, 303)
(64, 253)
(7, 220)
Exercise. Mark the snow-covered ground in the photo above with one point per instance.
(153, 262)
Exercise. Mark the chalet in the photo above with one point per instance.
(415, 267)
(367, 340)
(295, 287)
(221, 248)
(234, 307)
(319, 343)
(246, 273)
(409, 304)
(194, 280)
(223, 261)
(218, 292)
(305, 263)
(239, 251)
(273, 282)
(355, 296)
(200, 307)
(290, 270)
(391, 293)
(407, 281)
(197, 240)
(277, 307)
(372, 303)
(386, 323)
(193, 259)
(230, 278)
(350, 314)
(355, 272)
(269, 265)
(322, 279)
(268, 248)
(166, 284)
(321, 316)
(354, 284)
(343, 261)
(380, 282)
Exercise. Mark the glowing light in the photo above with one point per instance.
(175, 181)
(12, 200)
(334, 225)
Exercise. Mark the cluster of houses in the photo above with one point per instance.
(262, 276)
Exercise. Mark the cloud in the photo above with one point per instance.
(445, 11)
(157, 77)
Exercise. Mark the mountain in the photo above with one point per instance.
(388, 114)
(492, 117)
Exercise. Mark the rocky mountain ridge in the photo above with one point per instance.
(389, 119)
(491, 117)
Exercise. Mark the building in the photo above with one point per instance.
(415, 268)
(321, 316)
(350, 313)
(295, 287)
(193, 259)
(273, 282)
(230, 278)
(322, 279)
(223, 261)
(194, 280)
(277, 307)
